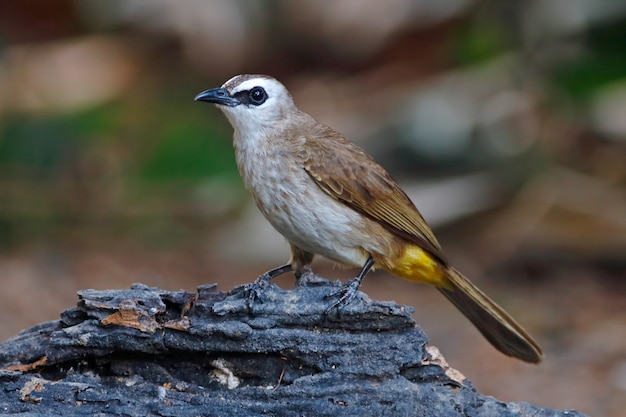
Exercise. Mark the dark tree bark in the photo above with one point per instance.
(147, 351)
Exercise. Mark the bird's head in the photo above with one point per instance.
(251, 102)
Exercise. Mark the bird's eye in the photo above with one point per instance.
(258, 96)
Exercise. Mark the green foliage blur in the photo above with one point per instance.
(129, 167)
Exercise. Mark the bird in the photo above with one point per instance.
(328, 197)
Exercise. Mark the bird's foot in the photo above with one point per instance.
(346, 295)
(253, 292)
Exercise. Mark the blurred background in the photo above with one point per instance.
(504, 121)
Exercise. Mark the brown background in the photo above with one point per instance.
(503, 120)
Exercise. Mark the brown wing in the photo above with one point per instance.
(347, 173)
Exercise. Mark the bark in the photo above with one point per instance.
(151, 352)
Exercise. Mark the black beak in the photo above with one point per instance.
(218, 96)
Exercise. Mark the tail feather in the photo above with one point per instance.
(504, 333)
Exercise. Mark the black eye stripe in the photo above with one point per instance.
(253, 97)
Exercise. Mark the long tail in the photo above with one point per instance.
(504, 333)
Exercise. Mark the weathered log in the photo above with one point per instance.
(147, 351)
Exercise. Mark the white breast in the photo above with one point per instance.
(297, 208)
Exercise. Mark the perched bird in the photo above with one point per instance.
(326, 196)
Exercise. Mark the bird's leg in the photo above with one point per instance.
(306, 277)
(301, 262)
(348, 292)
(254, 290)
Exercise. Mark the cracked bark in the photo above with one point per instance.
(147, 351)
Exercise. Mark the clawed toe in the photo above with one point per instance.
(346, 295)
(253, 292)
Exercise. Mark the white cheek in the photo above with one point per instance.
(239, 118)
(250, 121)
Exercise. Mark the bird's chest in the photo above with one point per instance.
(278, 183)
(291, 201)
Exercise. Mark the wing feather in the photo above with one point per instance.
(348, 174)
